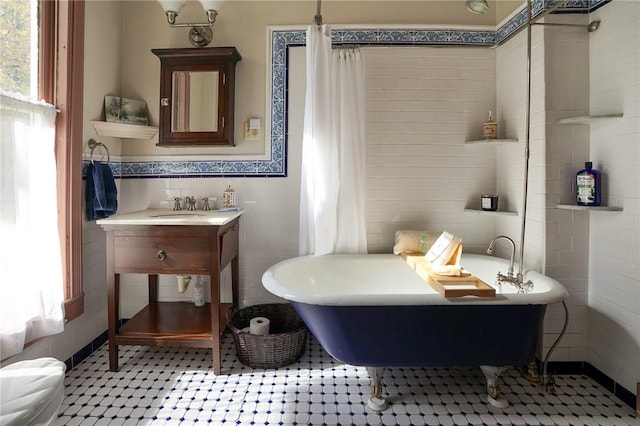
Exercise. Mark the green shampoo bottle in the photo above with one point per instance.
(588, 185)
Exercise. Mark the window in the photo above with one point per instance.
(51, 68)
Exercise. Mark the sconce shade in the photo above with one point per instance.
(477, 6)
(171, 5)
(211, 4)
(200, 34)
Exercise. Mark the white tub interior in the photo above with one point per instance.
(385, 279)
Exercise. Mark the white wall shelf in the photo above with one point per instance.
(589, 208)
(491, 141)
(491, 213)
(586, 119)
(121, 130)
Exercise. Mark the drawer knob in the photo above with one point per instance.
(161, 255)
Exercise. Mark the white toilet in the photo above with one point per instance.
(31, 391)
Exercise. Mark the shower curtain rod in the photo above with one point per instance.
(346, 46)
(318, 18)
(530, 20)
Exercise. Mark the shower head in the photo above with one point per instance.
(593, 25)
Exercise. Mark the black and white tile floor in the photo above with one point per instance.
(175, 386)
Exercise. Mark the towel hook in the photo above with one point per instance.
(93, 145)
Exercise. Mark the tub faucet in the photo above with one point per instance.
(513, 252)
(516, 281)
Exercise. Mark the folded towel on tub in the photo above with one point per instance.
(408, 241)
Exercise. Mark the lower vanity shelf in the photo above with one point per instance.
(172, 324)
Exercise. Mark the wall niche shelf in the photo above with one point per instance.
(122, 130)
(589, 208)
(491, 141)
(492, 213)
(586, 119)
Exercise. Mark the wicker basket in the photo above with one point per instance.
(285, 343)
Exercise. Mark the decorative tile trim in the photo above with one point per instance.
(580, 6)
(115, 166)
(282, 40)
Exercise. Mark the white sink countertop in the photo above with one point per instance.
(171, 217)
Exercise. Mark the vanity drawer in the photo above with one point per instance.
(158, 254)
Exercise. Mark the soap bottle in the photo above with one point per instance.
(198, 292)
(229, 197)
(588, 185)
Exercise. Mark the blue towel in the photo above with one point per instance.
(101, 195)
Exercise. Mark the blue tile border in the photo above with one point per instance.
(87, 350)
(282, 40)
(583, 367)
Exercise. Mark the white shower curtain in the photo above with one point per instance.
(332, 194)
(31, 287)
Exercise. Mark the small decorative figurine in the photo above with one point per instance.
(490, 128)
(229, 197)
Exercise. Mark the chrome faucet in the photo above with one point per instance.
(516, 281)
(176, 204)
(205, 204)
(191, 203)
(513, 252)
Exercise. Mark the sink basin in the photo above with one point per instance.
(151, 217)
(177, 214)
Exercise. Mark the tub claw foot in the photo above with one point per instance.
(494, 396)
(532, 374)
(376, 402)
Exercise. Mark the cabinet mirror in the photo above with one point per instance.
(197, 88)
(194, 105)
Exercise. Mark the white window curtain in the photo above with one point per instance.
(31, 283)
(332, 194)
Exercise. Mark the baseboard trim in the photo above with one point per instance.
(583, 367)
(83, 353)
(553, 367)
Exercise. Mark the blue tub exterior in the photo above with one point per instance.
(434, 335)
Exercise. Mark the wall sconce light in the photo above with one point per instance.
(477, 6)
(200, 34)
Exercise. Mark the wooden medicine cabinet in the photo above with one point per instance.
(197, 87)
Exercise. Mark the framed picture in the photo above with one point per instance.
(123, 110)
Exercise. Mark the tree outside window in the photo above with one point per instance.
(19, 47)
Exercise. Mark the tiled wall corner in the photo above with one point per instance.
(614, 245)
(566, 82)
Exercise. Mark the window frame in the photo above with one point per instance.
(60, 74)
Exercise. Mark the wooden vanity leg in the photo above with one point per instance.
(235, 282)
(215, 320)
(113, 312)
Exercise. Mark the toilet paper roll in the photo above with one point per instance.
(259, 325)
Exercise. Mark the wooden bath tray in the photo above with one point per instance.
(466, 285)
(448, 286)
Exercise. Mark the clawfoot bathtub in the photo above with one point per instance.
(375, 311)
